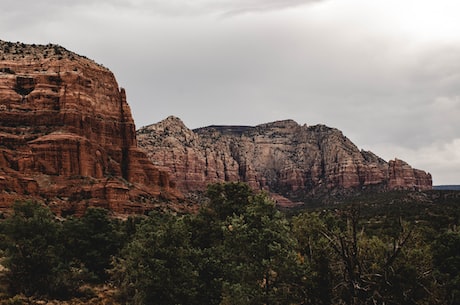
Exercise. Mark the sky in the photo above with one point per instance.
(386, 73)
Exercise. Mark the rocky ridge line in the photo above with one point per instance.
(282, 157)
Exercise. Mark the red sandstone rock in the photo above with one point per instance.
(402, 176)
(280, 157)
(67, 135)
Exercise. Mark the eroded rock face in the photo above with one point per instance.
(67, 135)
(281, 157)
(402, 175)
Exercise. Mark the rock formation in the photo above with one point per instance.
(67, 135)
(281, 157)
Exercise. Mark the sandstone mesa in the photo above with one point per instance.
(67, 138)
(281, 157)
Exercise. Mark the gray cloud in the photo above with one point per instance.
(222, 7)
(46, 8)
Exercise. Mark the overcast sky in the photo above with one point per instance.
(386, 73)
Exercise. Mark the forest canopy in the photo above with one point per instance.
(239, 249)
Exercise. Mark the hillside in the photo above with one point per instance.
(283, 157)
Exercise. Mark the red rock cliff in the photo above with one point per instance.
(67, 135)
(282, 157)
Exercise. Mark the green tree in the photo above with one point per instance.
(384, 269)
(206, 239)
(225, 200)
(159, 265)
(260, 261)
(314, 247)
(34, 252)
(91, 242)
(446, 258)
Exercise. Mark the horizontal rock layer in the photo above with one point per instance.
(67, 135)
(281, 157)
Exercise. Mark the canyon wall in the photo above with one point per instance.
(67, 136)
(282, 157)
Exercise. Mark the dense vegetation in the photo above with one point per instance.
(239, 249)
